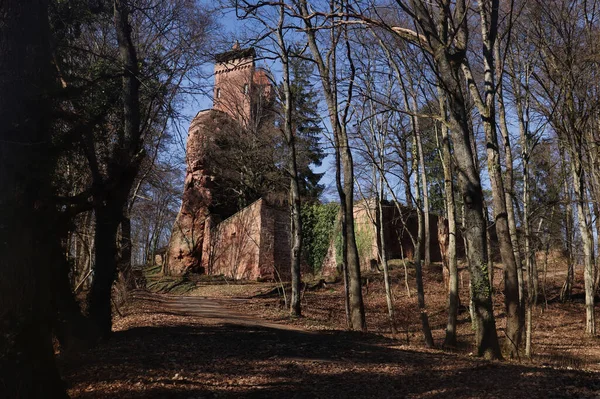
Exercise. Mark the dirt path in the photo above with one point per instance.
(215, 310)
(191, 347)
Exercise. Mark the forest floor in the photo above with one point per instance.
(232, 340)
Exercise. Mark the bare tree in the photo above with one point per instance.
(453, 298)
(564, 37)
(327, 62)
(443, 33)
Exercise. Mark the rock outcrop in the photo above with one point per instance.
(187, 238)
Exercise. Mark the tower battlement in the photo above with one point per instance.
(239, 85)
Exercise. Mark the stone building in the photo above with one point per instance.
(254, 242)
(400, 228)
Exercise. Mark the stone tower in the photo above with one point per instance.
(233, 79)
(240, 89)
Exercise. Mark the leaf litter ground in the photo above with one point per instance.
(212, 343)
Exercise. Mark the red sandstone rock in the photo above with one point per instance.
(192, 245)
(187, 238)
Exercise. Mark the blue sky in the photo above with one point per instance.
(232, 29)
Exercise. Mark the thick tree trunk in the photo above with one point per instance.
(27, 214)
(511, 291)
(295, 307)
(357, 310)
(121, 172)
(487, 109)
(105, 271)
(448, 55)
(474, 227)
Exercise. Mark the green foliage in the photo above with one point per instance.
(318, 225)
(306, 125)
(364, 241)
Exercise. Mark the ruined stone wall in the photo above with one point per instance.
(253, 244)
(398, 228)
(267, 242)
(282, 243)
(236, 244)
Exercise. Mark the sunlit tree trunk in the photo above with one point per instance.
(418, 244)
(488, 11)
(453, 298)
(294, 197)
(338, 118)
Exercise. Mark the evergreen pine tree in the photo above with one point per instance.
(307, 127)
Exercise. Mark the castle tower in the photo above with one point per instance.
(240, 89)
(234, 71)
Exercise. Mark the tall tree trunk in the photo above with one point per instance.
(529, 254)
(418, 244)
(448, 55)
(565, 292)
(423, 176)
(294, 198)
(121, 172)
(508, 173)
(587, 239)
(27, 214)
(327, 73)
(453, 298)
(474, 226)
(357, 310)
(295, 307)
(489, 24)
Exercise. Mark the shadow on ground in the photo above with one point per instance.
(232, 360)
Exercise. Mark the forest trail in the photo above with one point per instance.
(193, 347)
(210, 309)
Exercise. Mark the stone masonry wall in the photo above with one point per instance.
(236, 244)
(398, 228)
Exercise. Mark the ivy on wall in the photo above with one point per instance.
(364, 242)
(318, 225)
